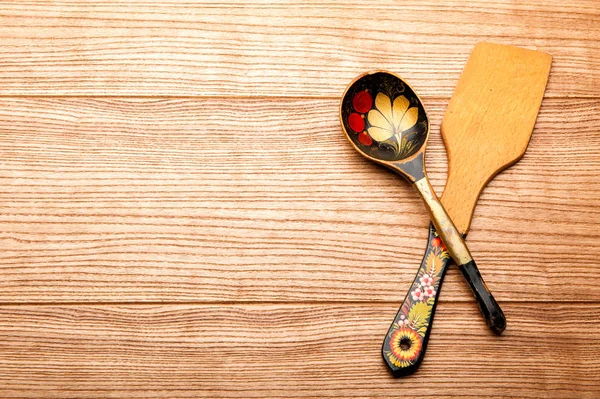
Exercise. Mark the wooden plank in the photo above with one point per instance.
(308, 48)
(119, 199)
(322, 350)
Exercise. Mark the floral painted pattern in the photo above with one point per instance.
(384, 118)
(405, 345)
(408, 334)
(389, 119)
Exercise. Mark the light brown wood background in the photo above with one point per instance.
(181, 216)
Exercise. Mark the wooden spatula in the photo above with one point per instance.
(486, 128)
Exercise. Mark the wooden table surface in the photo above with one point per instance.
(181, 216)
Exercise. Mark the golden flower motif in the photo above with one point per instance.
(389, 120)
(405, 345)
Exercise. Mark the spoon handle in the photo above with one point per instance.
(406, 341)
(459, 252)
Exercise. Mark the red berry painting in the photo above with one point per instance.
(362, 101)
(356, 122)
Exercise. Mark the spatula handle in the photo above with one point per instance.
(405, 343)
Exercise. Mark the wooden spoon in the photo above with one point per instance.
(486, 128)
(385, 121)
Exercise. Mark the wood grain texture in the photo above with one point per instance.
(291, 351)
(280, 48)
(181, 216)
(254, 199)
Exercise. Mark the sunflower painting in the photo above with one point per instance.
(406, 338)
(405, 345)
(385, 118)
